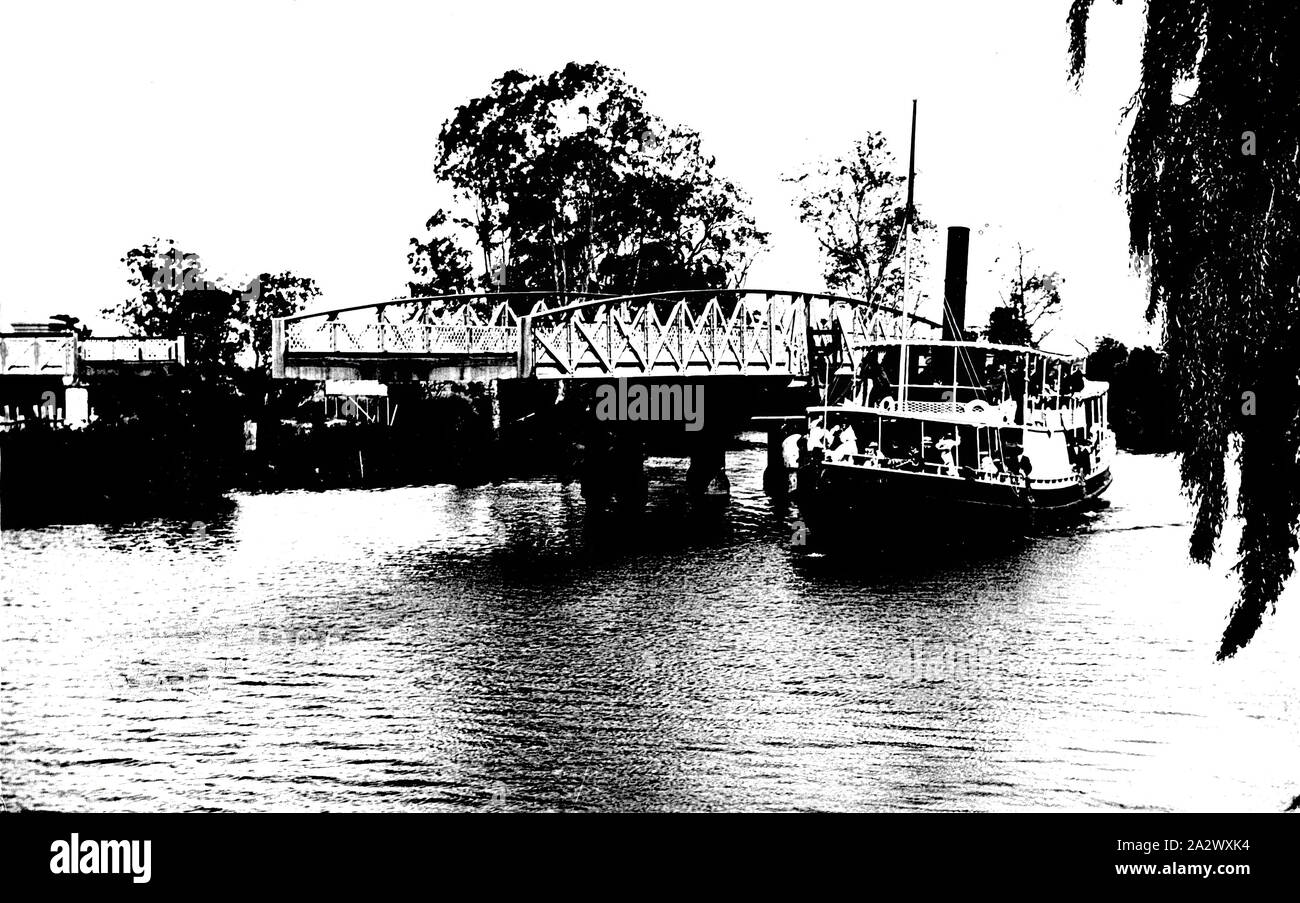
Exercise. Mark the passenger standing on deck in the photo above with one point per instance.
(873, 372)
(1016, 386)
(1074, 383)
(848, 444)
(818, 436)
(790, 451)
(1003, 383)
(947, 449)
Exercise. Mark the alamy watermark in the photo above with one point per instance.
(640, 402)
(75, 856)
(928, 662)
(180, 272)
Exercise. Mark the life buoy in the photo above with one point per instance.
(976, 407)
(887, 403)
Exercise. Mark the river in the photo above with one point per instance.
(436, 648)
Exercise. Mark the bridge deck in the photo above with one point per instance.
(680, 335)
(65, 355)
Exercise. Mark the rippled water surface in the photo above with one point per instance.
(495, 648)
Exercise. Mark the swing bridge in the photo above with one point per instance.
(764, 355)
(676, 335)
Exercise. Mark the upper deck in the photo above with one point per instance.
(977, 382)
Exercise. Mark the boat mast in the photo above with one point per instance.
(907, 260)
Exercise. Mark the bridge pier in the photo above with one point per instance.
(707, 474)
(630, 483)
(778, 475)
(776, 480)
(613, 468)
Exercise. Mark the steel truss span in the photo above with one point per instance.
(678, 334)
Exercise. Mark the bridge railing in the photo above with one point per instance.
(338, 337)
(463, 324)
(698, 333)
(669, 334)
(38, 355)
(130, 349)
(560, 335)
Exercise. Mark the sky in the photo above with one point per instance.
(290, 135)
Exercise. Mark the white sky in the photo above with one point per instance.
(279, 135)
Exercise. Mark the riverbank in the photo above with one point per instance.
(177, 448)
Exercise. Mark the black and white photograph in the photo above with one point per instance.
(565, 409)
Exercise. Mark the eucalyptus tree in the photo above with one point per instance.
(568, 183)
(1210, 176)
(173, 294)
(440, 264)
(856, 205)
(274, 295)
(1030, 303)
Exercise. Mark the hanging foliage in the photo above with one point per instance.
(1210, 177)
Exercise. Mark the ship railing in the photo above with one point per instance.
(989, 414)
(932, 407)
(1065, 413)
(893, 465)
(1055, 412)
(1059, 481)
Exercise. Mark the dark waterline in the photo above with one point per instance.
(497, 648)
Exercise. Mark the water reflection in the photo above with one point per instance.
(500, 648)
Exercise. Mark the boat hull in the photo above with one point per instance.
(858, 501)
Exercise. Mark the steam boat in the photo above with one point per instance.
(930, 438)
(970, 436)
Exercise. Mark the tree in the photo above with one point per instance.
(856, 205)
(1007, 326)
(1141, 394)
(278, 295)
(570, 184)
(1029, 304)
(174, 297)
(1105, 361)
(441, 265)
(1213, 194)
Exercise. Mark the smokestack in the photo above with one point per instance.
(954, 284)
